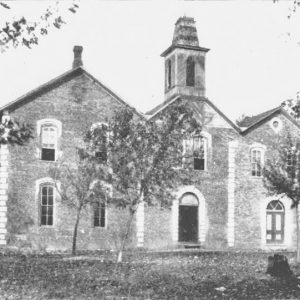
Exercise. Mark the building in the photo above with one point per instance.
(227, 205)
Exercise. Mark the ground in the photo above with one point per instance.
(173, 275)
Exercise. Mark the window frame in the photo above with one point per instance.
(273, 212)
(255, 148)
(206, 137)
(49, 123)
(48, 186)
(39, 184)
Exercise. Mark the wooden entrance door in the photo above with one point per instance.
(188, 223)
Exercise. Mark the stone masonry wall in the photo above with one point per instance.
(250, 191)
(78, 104)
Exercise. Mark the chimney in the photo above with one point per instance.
(77, 56)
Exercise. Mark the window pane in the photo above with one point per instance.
(44, 200)
(50, 200)
(269, 237)
(198, 163)
(278, 222)
(50, 220)
(44, 191)
(44, 220)
(44, 210)
(278, 237)
(48, 154)
(269, 222)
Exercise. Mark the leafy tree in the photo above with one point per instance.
(22, 31)
(14, 133)
(80, 185)
(282, 175)
(145, 157)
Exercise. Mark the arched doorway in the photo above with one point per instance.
(188, 218)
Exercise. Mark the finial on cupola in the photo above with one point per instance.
(77, 62)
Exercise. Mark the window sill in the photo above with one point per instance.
(47, 226)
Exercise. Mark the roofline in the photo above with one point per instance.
(80, 70)
(172, 47)
(259, 122)
(164, 106)
(205, 100)
(223, 115)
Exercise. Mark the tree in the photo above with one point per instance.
(145, 157)
(80, 185)
(282, 175)
(22, 31)
(14, 133)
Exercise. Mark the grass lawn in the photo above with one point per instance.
(188, 275)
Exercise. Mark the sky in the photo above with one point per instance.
(252, 66)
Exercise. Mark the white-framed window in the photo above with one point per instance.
(257, 153)
(49, 132)
(275, 218)
(196, 151)
(46, 204)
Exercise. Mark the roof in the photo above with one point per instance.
(255, 121)
(250, 121)
(195, 101)
(172, 47)
(57, 82)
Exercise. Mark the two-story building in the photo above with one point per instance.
(227, 205)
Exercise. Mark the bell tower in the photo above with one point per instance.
(185, 62)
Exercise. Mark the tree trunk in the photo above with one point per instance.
(298, 233)
(128, 227)
(75, 231)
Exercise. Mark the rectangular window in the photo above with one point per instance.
(99, 215)
(195, 152)
(49, 143)
(256, 163)
(47, 206)
(199, 146)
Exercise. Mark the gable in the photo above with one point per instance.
(207, 112)
(80, 85)
(288, 123)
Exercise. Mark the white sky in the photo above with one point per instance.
(253, 64)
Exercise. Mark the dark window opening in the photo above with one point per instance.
(99, 215)
(48, 154)
(169, 74)
(47, 206)
(190, 72)
(199, 163)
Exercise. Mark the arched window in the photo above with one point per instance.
(190, 72)
(169, 74)
(46, 204)
(275, 222)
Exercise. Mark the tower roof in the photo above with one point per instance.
(185, 32)
(185, 36)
